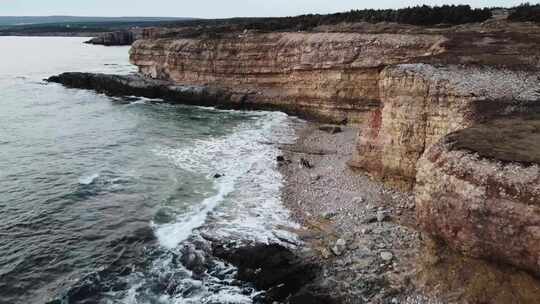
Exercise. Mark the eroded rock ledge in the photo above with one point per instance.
(478, 189)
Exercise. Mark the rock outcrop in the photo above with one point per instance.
(477, 184)
(334, 76)
(478, 190)
(421, 103)
(117, 38)
(136, 85)
(370, 79)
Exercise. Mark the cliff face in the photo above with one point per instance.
(422, 103)
(480, 199)
(479, 190)
(333, 76)
(358, 78)
(126, 37)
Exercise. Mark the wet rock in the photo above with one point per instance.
(218, 175)
(137, 85)
(309, 296)
(269, 267)
(280, 158)
(193, 259)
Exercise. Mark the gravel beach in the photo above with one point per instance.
(364, 235)
(361, 232)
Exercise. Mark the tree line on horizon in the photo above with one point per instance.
(417, 15)
(525, 12)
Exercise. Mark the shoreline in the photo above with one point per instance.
(356, 229)
(365, 239)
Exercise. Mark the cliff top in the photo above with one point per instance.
(515, 140)
(487, 83)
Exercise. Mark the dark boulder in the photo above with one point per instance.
(273, 268)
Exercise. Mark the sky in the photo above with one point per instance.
(210, 8)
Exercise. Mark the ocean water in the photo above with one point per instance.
(101, 198)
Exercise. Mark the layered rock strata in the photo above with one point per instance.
(332, 75)
(421, 103)
(358, 78)
(478, 190)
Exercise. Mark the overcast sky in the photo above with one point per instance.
(209, 8)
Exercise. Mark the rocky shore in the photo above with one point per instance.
(360, 231)
(366, 239)
(447, 118)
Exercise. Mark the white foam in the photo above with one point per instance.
(88, 179)
(170, 235)
(251, 185)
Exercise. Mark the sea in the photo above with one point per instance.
(102, 198)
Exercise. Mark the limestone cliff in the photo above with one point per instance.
(333, 76)
(421, 103)
(374, 79)
(479, 190)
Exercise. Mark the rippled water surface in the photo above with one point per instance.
(99, 196)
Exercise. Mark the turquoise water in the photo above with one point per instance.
(99, 195)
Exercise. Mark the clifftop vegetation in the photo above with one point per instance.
(525, 12)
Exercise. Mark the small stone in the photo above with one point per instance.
(325, 253)
(387, 256)
(352, 244)
(339, 247)
(395, 301)
(381, 216)
(304, 163)
(365, 231)
(217, 175)
(369, 220)
(329, 215)
(280, 158)
(358, 200)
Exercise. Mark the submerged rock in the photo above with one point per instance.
(273, 268)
